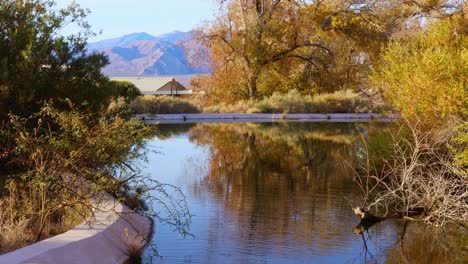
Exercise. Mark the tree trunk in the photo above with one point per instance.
(366, 215)
(252, 85)
(368, 219)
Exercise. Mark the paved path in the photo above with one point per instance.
(102, 239)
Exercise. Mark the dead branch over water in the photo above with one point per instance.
(420, 182)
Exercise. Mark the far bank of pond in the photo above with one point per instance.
(281, 193)
(240, 117)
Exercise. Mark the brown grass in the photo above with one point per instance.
(293, 102)
(151, 104)
(18, 220)
(340, 102)
(14, 231)
(134, 253)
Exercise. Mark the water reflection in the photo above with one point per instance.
(419, 244)
(268, 193)
(279, 185)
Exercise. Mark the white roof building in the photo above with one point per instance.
(156, 85)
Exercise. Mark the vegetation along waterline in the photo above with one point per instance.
(67, 135)
(291, 102)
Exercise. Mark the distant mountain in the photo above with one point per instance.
(120, 41)
(141, 54)
(174, 36)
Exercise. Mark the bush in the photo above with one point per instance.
(212, 109)
(459, 144)
(14, 227)
(419, 174)
(162, 105)
(62, 161)
(424, 76)
(340, 102)
(293, 102)
(119, 106)
(124, 89)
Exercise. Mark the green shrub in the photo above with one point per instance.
(162, 105)
(38, 63)
(124, 89)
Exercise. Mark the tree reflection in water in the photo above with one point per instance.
(282, 182)
(281, 192)
(420, 244)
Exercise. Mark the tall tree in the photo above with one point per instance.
(250, 35)
(258, 47)
(38, 63)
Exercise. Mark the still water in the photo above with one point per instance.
(280, 193)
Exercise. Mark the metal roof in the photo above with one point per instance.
(147, 85)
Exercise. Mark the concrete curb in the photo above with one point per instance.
(103, 239)
(333, 117)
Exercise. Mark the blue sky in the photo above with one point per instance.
(119, 17)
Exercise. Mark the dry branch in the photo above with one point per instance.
(420, 180)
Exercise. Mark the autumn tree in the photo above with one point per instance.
(260, 47)
(357, 30)
(248, 36)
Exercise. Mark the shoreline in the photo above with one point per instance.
(104, 238)
(239, 117)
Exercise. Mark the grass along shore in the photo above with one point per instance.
(291, 102)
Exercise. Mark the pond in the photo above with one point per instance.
(280, 193)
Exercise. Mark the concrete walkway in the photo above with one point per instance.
(103, 239)
(334, 117)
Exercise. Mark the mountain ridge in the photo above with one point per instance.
(142, 54)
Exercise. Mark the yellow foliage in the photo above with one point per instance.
(426, 77)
